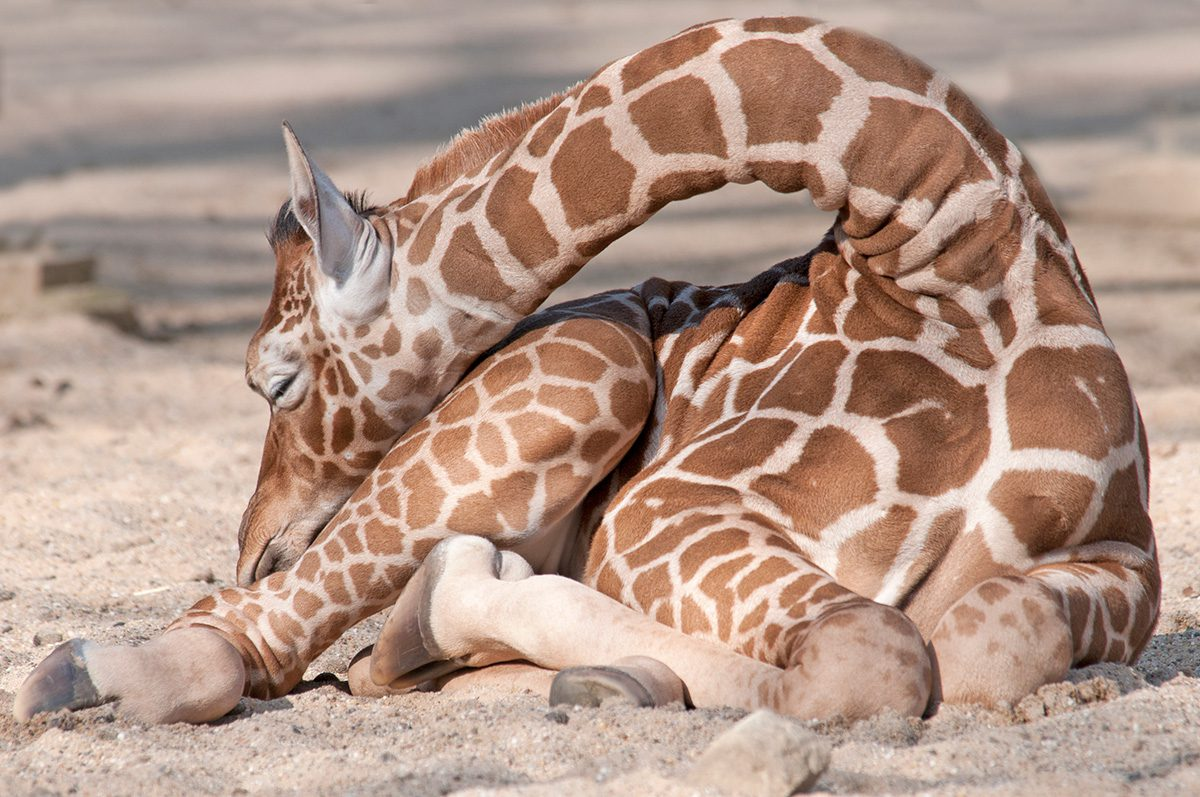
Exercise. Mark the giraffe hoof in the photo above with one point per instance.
(61, 681)
(406, 653)
(595, 686)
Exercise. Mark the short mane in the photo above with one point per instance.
(474, 146)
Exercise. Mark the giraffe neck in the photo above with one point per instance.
(930, 198)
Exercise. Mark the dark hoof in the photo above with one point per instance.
(60, 681)
(593, 686)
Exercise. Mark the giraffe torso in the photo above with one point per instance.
(908, 464)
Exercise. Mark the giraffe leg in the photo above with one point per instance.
(467, 613)
(1010, 635)
(189, 675)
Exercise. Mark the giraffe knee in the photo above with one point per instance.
(853, 647)
(1001, 641)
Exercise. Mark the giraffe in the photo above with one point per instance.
(909, 457)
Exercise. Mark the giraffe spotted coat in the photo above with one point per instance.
(909, 457)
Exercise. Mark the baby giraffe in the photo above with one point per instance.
(908, 460)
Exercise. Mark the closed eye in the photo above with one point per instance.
(280, 387)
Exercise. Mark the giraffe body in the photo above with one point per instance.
(909, 456)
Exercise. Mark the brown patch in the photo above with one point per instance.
(335, 588)
(462, 406)
(343, 430)
(514, 496)
(471, 198)
(682, 185)
(992, 592)
(592, 179)
(577, 403)
(881, 310)
(629, 402)
(470, 149)
(727, 455)
(720, 542)
(598, 445)
(449, 448)
(540, 438)
(778, 24)
(505, 372)
(1122, 517)
(979, 127)
(467, 269)
(770, 570)
(417, 296)
(652, 584)
(1069, 399)
(967, 619)
(717, 585)
(374, 428)
(489, 442)
(616, 343)
(1002, 316)
(807, 386)
(784, 90)
(876, 60)
(425, 497)
(1059, 298)
(1044, 506)
(659, 58)
(692, 618)
(594, 97)
(513, 215)
(542, 138)
(570, 362)
(787, 177)
(1040, 200)
(926, 157)
(426, 237)
(428, 344)
(680, 116)
(475, 514)
(865, 558)
(940, 447)
(833, 476)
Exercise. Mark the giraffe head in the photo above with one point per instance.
(344, 372)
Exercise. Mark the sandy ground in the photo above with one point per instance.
(147, 133)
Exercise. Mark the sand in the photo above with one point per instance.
(147, 134)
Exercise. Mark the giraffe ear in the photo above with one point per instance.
(348, 250)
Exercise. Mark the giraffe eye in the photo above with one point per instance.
(280, 387)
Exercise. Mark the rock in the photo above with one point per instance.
(47, 636)
(7, 595)
(764, 755)
(558, 717)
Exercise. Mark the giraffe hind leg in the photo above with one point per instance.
(558, 624)
(1010, 635)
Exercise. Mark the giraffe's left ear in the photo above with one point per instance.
(357, 264)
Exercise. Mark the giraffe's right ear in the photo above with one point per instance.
(355, 262)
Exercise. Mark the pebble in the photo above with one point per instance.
(47, 636)
(7, 595)
(764, 755)
(559, 717)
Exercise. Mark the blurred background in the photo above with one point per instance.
(147, 133)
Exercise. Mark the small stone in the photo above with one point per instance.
(558, 717)
(1189, 591)
(765, 755)
(47, 636)
(7, 595)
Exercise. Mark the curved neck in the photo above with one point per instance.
(929, 196)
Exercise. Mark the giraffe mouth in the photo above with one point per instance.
(277, 552)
